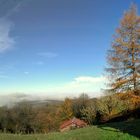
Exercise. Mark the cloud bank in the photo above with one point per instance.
(82, 84)
(13, 98)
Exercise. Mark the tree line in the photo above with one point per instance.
(25, 118)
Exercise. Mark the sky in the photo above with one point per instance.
(56, 48)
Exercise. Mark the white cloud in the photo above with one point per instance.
(48, 54)
(6, 41)
(87, 84)
(82, 84)
(89, 79)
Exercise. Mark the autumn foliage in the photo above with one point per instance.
(124, 55)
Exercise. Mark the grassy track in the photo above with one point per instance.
(111, 131)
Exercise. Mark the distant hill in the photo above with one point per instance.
(44, 102)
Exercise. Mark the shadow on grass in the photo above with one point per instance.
(124, 123)
(131, 127)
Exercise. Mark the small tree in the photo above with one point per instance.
(79, 103)
(66, 109)
(111, 105)
(89, 112)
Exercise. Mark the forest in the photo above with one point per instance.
(26, 118)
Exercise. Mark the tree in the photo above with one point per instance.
(124, 56)
(66, 109)
(111, 105)
(46, 119)
(24, 117)
(89, 112)
(79, 103)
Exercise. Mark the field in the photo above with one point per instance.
(112, 131)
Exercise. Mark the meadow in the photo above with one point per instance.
(129, 130)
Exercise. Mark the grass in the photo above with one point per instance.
(112, 131)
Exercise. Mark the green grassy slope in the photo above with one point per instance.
(111, 131)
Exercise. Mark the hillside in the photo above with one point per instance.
(41, 103)
(112, 131)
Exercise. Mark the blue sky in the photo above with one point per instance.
(56, 47)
